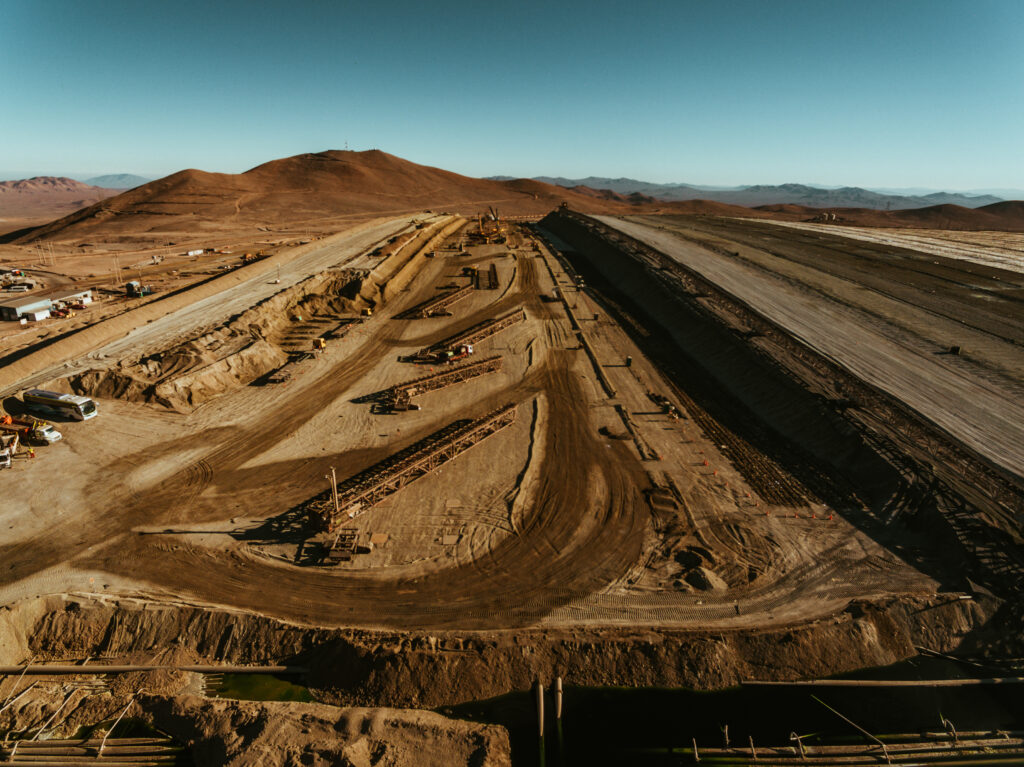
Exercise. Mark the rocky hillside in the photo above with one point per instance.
(309, 190)
(47, 197)
(777, 194)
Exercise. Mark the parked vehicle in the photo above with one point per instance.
(8, 447)
(30, 430)
(53, 403)
(452, 355)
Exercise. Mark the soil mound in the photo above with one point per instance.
(228, 732)
(217, 359)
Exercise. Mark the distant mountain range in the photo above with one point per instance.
(761, 194)
(118, 181)
(47, 196)
(328, 187)
(324, 188)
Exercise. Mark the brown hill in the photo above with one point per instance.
(1000, 216)
(318, 191)
(711, 208)
(308, 190)
(788, 208)
(1010, 211)
(47, 197)
(946, 217)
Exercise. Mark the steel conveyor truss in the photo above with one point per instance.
(361, 492)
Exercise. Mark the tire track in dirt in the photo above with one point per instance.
(578, 536)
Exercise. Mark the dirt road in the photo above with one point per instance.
(153, 505)
(1004, 250)
(983, 411)
(216, 306)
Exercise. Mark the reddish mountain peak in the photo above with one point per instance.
(46, 184)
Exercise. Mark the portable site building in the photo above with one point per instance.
(14, 309)
(65, 296)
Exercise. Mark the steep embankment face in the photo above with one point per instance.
(351, 667)
(213, 359)
(849, 428)
(308, 189)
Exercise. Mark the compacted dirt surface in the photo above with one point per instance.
(666, 490)
(888, 314)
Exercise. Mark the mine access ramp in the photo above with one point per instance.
(437, 306)
(469, 337)
(358, 494)
(398, 397)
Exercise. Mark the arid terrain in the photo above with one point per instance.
(30, 202)
(683, 449)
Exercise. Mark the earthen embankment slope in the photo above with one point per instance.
(400, 668)
(229, 732)
(170, 316)
(987, 419)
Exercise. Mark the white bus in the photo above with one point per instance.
(68, 405)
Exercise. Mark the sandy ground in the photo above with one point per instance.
(105, 265)
(548, 522)
(1000, 249)
(982, 408)
(266, 280)
(78, 712)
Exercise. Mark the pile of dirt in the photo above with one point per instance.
(218, 359)
(396, 668)
(248, 346)
(222, 732)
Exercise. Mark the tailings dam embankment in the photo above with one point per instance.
(397, 668)
(851, 443)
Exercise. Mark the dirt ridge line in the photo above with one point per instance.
(950, 468)
(440, 667)
(94, 336)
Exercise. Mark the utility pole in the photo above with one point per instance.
(540, 711)
(334, 486)
(334, 489)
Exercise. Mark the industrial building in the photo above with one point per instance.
(64, 296)
(32, 307)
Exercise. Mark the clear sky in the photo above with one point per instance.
(900, 93)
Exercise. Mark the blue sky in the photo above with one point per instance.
(923, 93)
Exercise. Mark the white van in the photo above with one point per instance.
(47, 433)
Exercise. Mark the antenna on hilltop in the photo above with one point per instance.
(346, 146)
